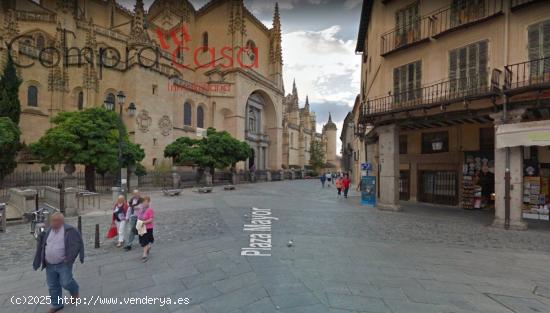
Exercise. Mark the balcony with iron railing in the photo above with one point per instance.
(463, 14)
(438, 94)
(518, 4)
(527, 76)
(402, 37)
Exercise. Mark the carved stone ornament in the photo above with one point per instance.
(165, 125)
(144, 121)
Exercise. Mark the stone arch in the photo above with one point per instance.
(78, 98)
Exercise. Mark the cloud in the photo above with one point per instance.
(352, 4)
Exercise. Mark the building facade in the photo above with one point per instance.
(454, 104)
(183, 69)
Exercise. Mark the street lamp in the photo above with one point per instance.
(110, 105)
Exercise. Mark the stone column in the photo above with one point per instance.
(234, 178)
(388, 142)
(516, 178)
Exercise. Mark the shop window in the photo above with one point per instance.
(487, 139)
(436, 142)
(468, 66)
(406, 81)
(32, 96)
(402, 144)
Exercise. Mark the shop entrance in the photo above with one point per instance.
(438, 187)
(404, 185)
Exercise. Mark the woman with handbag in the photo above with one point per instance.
(119, 218)
(145, 220)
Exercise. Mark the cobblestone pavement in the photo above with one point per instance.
(345, 258)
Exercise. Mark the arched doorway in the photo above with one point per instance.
(256, 129)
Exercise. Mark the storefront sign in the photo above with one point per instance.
(368, 190)
(523, 134)
(260, 229)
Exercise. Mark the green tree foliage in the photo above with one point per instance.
(9, 92)
(88, 137)
(217, 150)
(316, 155)
(9, 145)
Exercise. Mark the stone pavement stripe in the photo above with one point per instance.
(236, 282)
(294, 300)
(262, 306)
(518, 304)
(204, 278)
(234, 300)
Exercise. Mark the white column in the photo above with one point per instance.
(388, 142)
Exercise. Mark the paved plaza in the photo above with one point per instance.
(344, 258)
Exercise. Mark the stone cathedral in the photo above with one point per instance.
(181, 70)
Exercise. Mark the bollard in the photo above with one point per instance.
(79, 224)
(96, 244)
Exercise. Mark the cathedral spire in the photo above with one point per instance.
(138, 34)
(306, 107)
(275, 49)
(294, 89)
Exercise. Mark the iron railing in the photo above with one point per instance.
(439, 187)
(404, 36)
(527, 75)
(463, 13)
(436, 94)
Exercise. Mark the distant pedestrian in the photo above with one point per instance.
(329, 178)
(134, 206)
(145, 227)
(323, 179)
(120, 210)
(57, 250)
(338, 184)
(345, 184)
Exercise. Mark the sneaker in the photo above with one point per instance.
(128, 248)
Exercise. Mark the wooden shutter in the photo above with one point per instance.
(533, 47)
(546, 46)
(453, 68)
(418, 79)
(396, 80)
(462, 67)
(472, 63)
(483, 65)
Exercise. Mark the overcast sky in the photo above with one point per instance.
(319, 39)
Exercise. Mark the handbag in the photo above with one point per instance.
(112, 232)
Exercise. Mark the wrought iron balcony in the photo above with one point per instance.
(434, 95)
(399, 38)
(526, 76)
(463, 14)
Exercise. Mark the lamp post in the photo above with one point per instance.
(110, 105)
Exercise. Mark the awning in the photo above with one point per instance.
(523, 134)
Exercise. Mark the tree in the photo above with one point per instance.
(9, 92)
(316, 155)
(9, 145)
(88, 137)
(217, 150)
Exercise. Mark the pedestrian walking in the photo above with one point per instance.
(338, 184)
(323, 179)
(134, 206)
(56, 251)
(329, 178)
(144, 226)
(119, 218)
(345, 184)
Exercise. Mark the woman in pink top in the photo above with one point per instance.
(146, 215)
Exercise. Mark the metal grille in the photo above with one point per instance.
(404, 185)
(439, 187)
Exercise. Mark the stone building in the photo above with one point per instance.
(182, 69)
(454, 104)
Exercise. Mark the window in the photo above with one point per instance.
(187, 112)
(251, 50)
(468, 66)
(111, 98)
(465, 11)
(154, 161)
(487, 139)
(252, 120)
(539, 48)
(200, 117)
(407, 81)
(80, 100)
(407, 24)
(436, 142)
(204, 41)
(155, 88)
(40, 43)
(32, 96)
(402, 144)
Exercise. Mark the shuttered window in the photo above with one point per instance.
(539, 48)
(468, 67)
(466, 11)
(407, 23)
(407, 81)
